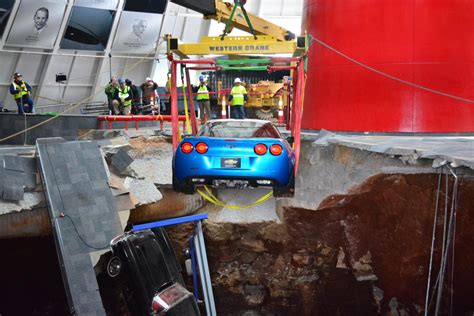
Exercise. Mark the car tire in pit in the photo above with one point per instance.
(285, 191)
(183, 187)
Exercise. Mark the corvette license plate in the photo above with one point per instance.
(230, 162)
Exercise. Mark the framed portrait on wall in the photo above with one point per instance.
(137, 32)
(37, 24)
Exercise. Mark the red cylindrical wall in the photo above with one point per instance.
(427, 42)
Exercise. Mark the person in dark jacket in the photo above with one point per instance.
(111, 91)
(136, 97)
(149, 96)
(21, 92)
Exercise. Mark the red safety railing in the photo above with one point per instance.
(137, 118)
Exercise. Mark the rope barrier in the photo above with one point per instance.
(67, 110)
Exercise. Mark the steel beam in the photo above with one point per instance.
(237, 45)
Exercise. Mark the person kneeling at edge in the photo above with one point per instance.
(238, 97)
(126, 96)
(21, 92)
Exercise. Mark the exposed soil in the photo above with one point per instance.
(363, 253)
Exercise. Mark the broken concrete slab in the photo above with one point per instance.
(144, 190)
(124, 202)
(263, 212)
(116, 185)
(457, 149)
(121, 160)
(152, 160)
(13, 163)
(31, 200)
(18, 163)
(16, 173)
(12, 193)
(85, 215)
(327, 169)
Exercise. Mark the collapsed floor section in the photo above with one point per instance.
(362, 253)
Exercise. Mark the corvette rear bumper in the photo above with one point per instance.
(232, 182)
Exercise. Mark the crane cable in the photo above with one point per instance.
(209, 196)
(433, 238)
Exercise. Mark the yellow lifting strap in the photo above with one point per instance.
(211, 198)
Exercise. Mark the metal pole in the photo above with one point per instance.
(110, 65)
(433, 239)
(201, 275)
(204, 269)
(191, 103)
(174, 106)
(196, 61)
(288, 105)
(186, 109)
(298, 112)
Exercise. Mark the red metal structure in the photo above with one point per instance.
(136, 118)
(174, 94)
(294, 113)
(428, 43)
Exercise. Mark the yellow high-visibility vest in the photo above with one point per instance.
(22, 90)
(123, 94)
(203, 93)
(238, 95)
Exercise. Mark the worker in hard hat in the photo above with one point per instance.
(21, 92)
(238, 99)
(203, 99)
(126, 96)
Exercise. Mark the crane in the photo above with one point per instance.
(235, 15)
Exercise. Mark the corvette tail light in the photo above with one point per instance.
(201, 148)
(260, 149)
(186, 147)
(172, 300)
(276, 150)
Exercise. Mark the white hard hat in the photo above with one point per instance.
(237, 80)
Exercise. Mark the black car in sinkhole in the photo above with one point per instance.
(149, 274)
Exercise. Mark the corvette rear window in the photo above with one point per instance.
(239, 129)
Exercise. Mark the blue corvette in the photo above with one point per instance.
(234, 153)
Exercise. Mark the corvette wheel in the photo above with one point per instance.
(280, 191)
(175, 185)
(114, 266)
(188, 189)
(285, 191)
(182, 187)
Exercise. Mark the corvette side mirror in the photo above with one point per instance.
(290, 140)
